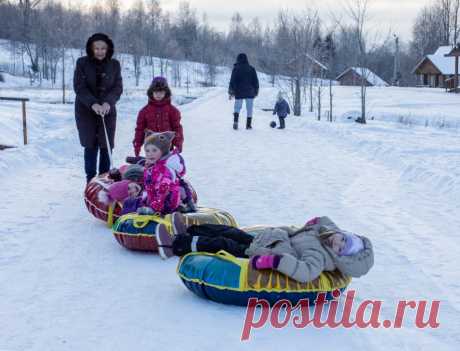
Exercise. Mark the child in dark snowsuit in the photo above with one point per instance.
(282, 110)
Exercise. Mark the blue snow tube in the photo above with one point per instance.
(230, 280)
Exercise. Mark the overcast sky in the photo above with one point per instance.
(385, 14)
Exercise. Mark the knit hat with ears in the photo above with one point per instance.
(163, 141)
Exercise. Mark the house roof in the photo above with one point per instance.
(370, 76)
(445, 64)
(455, 51)
(317, 62)
(312, 59)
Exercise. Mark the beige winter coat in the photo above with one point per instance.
(304, 256)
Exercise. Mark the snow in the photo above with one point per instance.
(68, 285)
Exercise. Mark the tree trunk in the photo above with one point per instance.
(319, 101)
(137, 68)
(63, 75)
(297, 100)
(330, 100)
(362, 120)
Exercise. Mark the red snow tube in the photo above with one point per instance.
(101, 210)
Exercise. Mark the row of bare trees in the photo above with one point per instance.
(436, 24)
(297, 46)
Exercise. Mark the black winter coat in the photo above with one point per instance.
(89, 92)
(244, 83)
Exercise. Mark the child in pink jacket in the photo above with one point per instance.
(163, 169)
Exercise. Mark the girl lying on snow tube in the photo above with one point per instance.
(285, 262)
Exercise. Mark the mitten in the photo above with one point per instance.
(265, 262)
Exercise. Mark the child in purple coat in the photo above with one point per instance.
(134, 200)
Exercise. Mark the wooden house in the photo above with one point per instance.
(437, 70)
(353, 76)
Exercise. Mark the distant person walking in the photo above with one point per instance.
(244, 85)
(98, 86)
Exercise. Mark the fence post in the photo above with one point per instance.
(24, 115)
(24, 122)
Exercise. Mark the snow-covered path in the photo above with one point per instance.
(67, 285)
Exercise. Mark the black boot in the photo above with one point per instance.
(104, 161)
(90, 162)
(282, 125)
(235, 120)
(248, 123)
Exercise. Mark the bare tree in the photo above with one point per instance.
(112, 18)
(27, 7)
(280, 49)
(152, 33)
(324, 53)
(357, 11)
(185, 29)
(455, 24)
(294, 40)
(133, 35)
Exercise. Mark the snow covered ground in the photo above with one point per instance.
(67, 285)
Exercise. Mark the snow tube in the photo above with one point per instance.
(230, 280)
(103, 211)
(138, 232)
(227, 279)
(100, 210)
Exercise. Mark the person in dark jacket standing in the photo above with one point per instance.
(244, 85)
(282, 110)
(98, 86)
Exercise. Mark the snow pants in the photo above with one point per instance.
(212, 238)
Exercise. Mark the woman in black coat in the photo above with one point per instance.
(244, 85)
(98, 86)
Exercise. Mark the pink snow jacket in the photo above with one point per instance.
(162, 183)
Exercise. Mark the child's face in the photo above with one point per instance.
(133, 190)
(152, 153)
(336, 242)
(159, 95)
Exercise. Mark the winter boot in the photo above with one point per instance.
(248, 123)
(165, 241)
(236, 115)
(134, 159)
(179, 224)
(282, 125)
